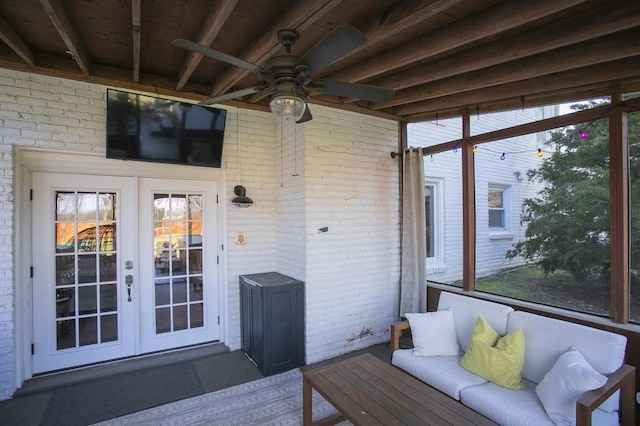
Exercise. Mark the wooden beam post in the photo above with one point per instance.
(468, 208)
(619, 202)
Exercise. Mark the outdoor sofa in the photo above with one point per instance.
(558, 363)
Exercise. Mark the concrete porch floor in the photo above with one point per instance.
(92, 394)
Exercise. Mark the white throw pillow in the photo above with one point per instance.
(434, 333)
(567, 381)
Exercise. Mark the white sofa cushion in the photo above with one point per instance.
(433, 333)
(506, 406)
(440, 372)
(569, 379)
(547, 338)
(515, 408)
(466, 311)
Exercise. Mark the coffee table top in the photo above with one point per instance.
(368, 391)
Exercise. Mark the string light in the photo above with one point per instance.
(581, 133)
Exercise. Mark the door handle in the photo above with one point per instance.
(128, 280)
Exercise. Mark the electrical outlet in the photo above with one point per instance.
(240, 240)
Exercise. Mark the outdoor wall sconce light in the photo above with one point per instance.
(241, 200)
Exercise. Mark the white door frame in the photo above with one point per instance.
(40, 160)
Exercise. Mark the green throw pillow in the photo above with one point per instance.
(497, 359)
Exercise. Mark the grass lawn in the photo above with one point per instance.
(590, 295)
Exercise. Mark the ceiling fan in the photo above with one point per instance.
(287, 78)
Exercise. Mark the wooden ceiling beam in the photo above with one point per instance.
(15, 42)
(486, 23)
(219, 14)
(57, 15)
(136, 21)
(569, 95)
(621, 70)
(404, 15)
(605, 49)
(393, 20)
(299, 15)
(588, 25)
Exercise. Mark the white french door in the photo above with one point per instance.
(178, 263)
(82, 237)
(122, 266)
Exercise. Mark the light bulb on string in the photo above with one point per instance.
(503, 156)
(455, 148)
(475, 149)
(539, 153)
(431, 157)
(583, 134)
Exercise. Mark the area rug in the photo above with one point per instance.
(274, 400)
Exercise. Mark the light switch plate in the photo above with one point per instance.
(240, 240)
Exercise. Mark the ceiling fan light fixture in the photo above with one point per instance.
(287, 107)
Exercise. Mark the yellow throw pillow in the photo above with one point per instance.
(497, 359)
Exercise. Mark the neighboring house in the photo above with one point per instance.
(501, 187)
(334, 172)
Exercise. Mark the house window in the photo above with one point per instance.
(429, 217)
(497, 201)
(433, 221)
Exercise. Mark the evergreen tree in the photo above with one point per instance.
(568, 221)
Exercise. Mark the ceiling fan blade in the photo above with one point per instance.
(306, 115)
(212, 53)
(332, 47)
(358, 91)
(233, 95)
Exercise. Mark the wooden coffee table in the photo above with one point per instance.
(368, 391)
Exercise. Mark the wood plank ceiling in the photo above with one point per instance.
(441, 56)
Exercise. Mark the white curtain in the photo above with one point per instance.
(413, 281)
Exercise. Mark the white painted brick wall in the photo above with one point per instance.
(252, 166)
(345, 180)
(352, 274)
(290, 199)
(47, 112)
(40, 112)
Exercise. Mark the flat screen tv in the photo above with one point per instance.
(146, 128)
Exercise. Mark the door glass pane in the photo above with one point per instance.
(195, 261)
(163, 297)
(86, 269)
(88, 331)
(108, 267)
(66, 334)
(180, 290)
(177, 251)
(195, 288)
(109, 328)
(87, 301)
(108, 301)
(196, 315)
(180, 317)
